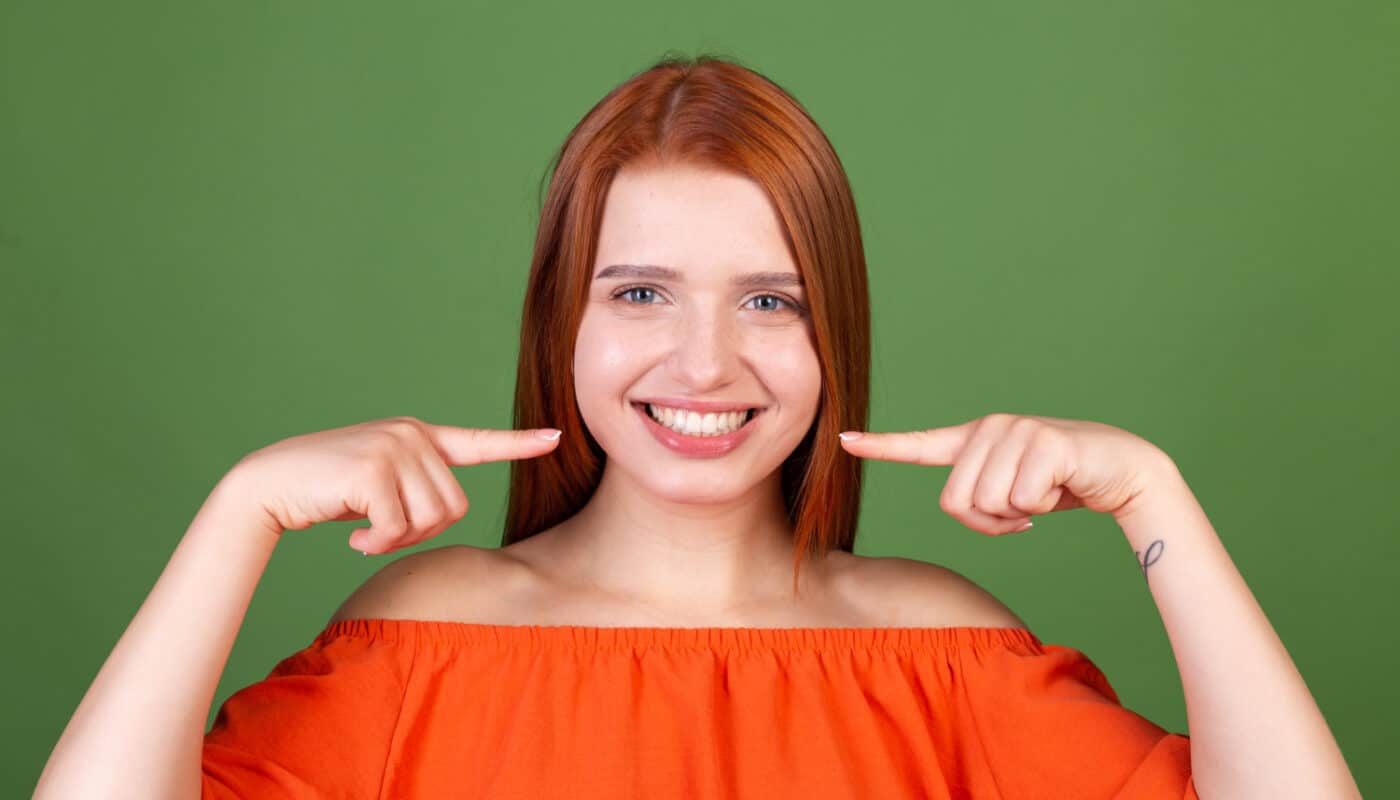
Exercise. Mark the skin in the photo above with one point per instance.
(667, 539)
(1256, 730)
(668, 535)
(668, 530)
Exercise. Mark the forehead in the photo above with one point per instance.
(690, 218)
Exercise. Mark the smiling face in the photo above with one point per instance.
(695, 303)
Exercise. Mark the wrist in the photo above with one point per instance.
(1163, 488)
(234, 499)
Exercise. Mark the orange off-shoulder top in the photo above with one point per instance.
(389, 708)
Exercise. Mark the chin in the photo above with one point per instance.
(677, 487)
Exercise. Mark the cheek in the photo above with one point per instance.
(600, 360)
(605, 364)
(794, 374)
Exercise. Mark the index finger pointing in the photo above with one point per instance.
(933, 447)
(464, 447)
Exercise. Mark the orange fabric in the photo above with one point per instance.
(377, 708)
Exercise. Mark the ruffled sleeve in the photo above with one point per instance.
(1050, 725)
(319, 725)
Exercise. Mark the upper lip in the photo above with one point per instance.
(699, 406)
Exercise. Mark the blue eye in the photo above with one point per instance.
(628, 296)
(632, 289)
(791, 305)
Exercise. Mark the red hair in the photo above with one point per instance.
(715, 113)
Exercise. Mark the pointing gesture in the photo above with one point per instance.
(392, 471)
(1007, 467)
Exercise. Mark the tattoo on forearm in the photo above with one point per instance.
(1153, 555)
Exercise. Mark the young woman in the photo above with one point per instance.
(676, 610)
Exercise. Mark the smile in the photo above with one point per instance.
(728, 429)
(690, 423)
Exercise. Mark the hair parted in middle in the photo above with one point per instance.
(715, 113)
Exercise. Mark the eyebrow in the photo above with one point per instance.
(667, 274)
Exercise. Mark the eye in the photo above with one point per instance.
(647, 296)
(791, 304)
(642, 291)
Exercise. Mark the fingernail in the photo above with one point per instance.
(1025, 527)
(849, 436)
(548, 433)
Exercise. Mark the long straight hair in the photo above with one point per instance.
(711, 112)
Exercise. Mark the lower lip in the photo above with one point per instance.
(696, 446)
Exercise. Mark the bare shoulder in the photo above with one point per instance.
(435, 584)
(905, 592)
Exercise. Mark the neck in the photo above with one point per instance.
(701, 558)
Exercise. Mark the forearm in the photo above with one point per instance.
(139, 729)
(1256, 731)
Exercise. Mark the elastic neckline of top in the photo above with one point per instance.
(708, 638)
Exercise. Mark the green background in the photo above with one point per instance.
(223, 224)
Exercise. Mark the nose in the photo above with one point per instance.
(705, 351)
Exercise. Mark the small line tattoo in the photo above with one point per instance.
(1154, 554)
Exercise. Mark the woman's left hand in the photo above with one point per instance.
(1007, 467)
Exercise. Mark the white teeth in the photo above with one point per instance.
(691, 423)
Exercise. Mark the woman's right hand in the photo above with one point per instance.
(392, 471)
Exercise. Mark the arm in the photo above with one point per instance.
(139, 729)
(1255, 729)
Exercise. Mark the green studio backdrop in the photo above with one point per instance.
(223, 224)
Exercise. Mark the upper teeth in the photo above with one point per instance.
(692, 424)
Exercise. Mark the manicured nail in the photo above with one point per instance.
(1025, 527)
(548, 433)
(850, 436)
